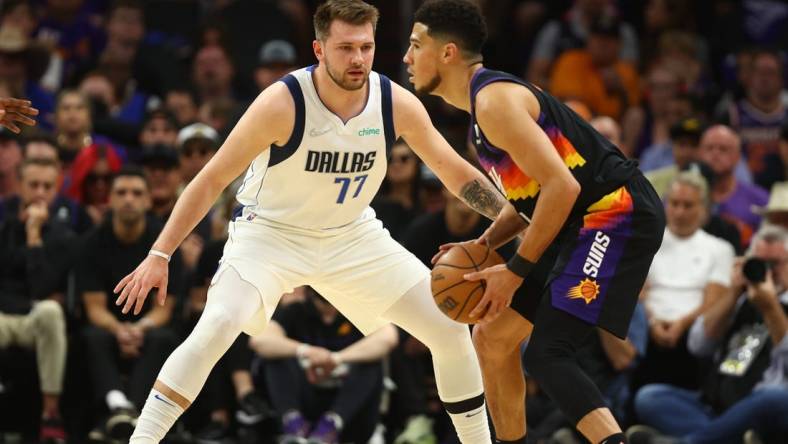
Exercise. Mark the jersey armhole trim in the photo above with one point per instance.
(387, 111)
(281, 153)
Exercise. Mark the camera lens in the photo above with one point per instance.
(754, 270)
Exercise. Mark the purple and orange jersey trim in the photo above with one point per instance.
(516, 184)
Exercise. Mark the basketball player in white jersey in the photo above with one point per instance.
(315, 145)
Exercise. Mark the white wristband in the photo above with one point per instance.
(301, 350)
(160, 254)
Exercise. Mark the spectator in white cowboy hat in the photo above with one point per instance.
(776, 210)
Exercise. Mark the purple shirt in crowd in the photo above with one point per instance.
(738, 209)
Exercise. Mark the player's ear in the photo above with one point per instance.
(317, 47)
(450, 52)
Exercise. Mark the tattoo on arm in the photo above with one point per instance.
(483, 198)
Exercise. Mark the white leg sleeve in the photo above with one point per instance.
(457, 371)
(231, 303)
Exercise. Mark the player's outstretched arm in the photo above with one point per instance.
(269, 120)
(413, 123)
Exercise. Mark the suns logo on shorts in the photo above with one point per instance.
(586, 290)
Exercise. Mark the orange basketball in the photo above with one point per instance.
(455, 296)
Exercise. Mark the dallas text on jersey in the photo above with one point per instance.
(339, 162)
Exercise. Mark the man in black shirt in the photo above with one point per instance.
(142, 342)
(34, 253)
(320, 368)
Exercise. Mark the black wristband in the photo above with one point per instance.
(520, 265)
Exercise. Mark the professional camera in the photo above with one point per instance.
(754, 269)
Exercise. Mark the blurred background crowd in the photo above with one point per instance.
(136, 96)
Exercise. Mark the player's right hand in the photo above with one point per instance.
(443, 249)
(134, 288)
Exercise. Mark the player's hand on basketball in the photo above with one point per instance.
(14, 112)
(501, 284)
(443, 249)
(134, 288)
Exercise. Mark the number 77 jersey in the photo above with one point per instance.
(326, 175)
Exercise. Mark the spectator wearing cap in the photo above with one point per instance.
(277, 58)
(720, 148)
(684, 141)
(159, 128)
(161, 164)
(610, 85)
(196, 144)
(10, 157)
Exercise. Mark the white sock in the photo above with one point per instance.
(156, 419)
(472, 426)
(118, 400)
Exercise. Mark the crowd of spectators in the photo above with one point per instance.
(136, 96)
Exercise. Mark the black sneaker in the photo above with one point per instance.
(121, 424)
(252, 410)
(213, 433)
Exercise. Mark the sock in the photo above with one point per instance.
(117, 400)
(156, 419)
(616, 438)
(516, 441)
(472, 426)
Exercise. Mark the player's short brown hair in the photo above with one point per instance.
(355, 12)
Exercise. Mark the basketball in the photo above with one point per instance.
(455, 296)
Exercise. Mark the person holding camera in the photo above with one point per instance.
(746, 391)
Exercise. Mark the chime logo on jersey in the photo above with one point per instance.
(339, 162)
(369, 132)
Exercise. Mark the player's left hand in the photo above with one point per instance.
(501, 285)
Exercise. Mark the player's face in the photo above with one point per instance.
(422, 60)
(348, 53)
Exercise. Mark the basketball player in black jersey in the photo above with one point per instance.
(593, 225)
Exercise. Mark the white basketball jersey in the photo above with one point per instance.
(326, 175)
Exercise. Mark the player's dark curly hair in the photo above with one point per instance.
(459, 21)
